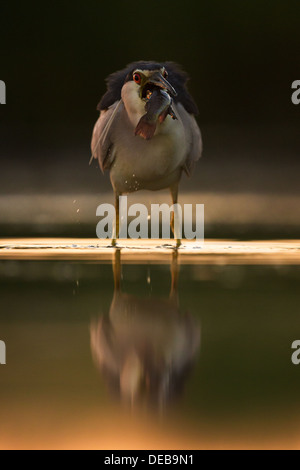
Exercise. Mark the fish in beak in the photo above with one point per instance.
(157, 92)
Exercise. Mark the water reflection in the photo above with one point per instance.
(145, 347)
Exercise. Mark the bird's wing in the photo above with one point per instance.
(102, 142)
(193, 137)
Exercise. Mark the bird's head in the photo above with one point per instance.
(135, 83)
(138, 87)
(141, 82)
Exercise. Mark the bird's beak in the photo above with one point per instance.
(157, 79)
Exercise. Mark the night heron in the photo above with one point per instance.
(147, 135)
(146, 346)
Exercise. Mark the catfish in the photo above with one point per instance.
(158, 107)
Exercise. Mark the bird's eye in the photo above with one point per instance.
(165, 74)
(137, 78)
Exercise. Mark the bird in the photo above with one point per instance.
(147, 135)
(145, 347)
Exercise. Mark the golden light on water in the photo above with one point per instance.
(53, 426)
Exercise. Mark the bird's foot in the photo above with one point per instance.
(178, 243)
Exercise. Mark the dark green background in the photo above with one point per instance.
(242, 57)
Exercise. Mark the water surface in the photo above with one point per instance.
(112, 356)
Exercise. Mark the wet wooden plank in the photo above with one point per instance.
(153, 251)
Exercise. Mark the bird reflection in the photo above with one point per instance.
(145, 347)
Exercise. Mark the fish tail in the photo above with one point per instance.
(145, 128)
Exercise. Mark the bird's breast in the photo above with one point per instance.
(139, 162)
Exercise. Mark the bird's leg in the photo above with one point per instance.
(116, 227)
(117, 269)
(175, 217)
(175, 277)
